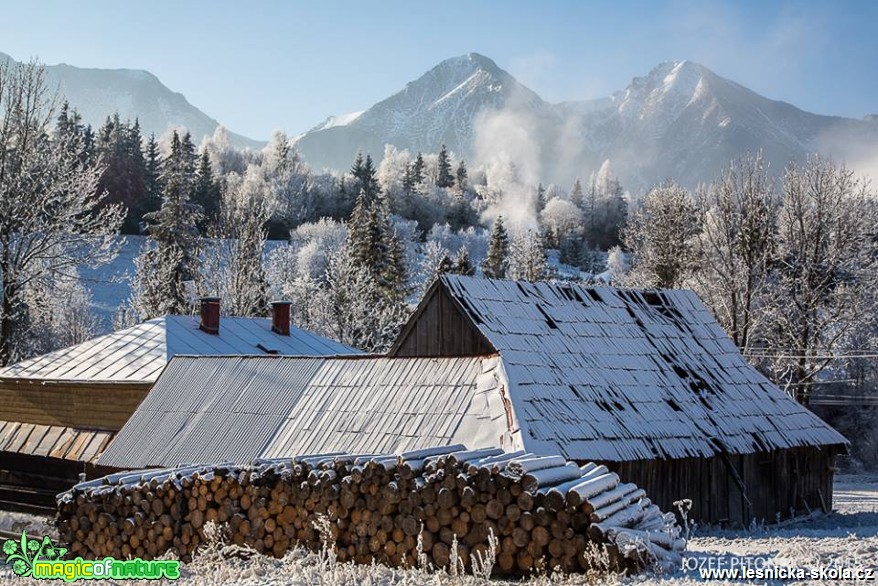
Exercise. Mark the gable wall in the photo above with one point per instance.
(82, 405)
(441, 330)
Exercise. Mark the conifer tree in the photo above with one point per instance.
(152, 176)
(170, 258)
(461, 175)
(541, 198)
(463, 265)
(418, 168)
(206, 192)
(494, 265)
(576, 194)
(444, 177)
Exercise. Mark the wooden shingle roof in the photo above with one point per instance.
(614, 374)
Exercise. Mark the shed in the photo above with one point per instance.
(60, 410)
(645, 381)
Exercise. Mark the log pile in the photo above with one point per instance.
(439, 506)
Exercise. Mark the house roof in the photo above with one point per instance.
(615, 374)
(210, 409)
(139, 353)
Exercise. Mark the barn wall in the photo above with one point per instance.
(775, 482)
(31, 483)
(83, 405)
(441, 329)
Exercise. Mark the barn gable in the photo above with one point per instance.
(619, 375)
(440, 327)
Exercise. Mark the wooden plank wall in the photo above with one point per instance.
(36, 481)
(442, 330)
(778, 484)
(103, 406)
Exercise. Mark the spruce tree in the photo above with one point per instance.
(463, 265)
(461, 175)
(151, 176)
(206, 192)
(444, 177)
(541, 198)
(418, 168)
(171, 257)
(576, 194)
(494, 265)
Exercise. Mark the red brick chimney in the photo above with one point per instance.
(280, 317)
(210, 315)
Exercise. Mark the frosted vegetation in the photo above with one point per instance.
(788, 266)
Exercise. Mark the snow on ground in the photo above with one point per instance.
(847, 537)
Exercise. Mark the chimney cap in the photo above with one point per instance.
(281, 302)
(209, 299)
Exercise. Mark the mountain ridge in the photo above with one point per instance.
(681, 119)
(134, 93)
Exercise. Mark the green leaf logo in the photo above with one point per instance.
(22, 554)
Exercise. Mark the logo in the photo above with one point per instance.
(43, 560)
(23, 554)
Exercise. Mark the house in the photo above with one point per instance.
(59, 411)
(643, 381)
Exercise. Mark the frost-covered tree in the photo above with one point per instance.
(53, 219)
(170, 257)
(562, 220)
(660, 237)
(736, 246)
(576, 193)
(527, 257)
(494, 265)
(206, 191)
(290, 199)
(461, 176)
(827, 265)
(233, 264)
(462, 264)
(444, 177)
(617, 265)
(59, 315)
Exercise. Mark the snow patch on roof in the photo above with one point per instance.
(139, 353)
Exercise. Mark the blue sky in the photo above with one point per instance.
(257, 66)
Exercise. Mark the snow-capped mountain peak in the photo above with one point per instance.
(680, 120)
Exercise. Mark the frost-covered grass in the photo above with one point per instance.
(848, 537)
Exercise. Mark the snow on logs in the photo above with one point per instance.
(540, 511)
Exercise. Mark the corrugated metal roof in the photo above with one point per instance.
(205, 409)
(139, 353)
(612, 374)
(52, 441)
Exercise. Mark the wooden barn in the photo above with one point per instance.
(59, 411)
(643, 381)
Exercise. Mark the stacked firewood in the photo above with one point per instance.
(439, 506)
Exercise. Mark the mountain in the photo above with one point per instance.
(438, 108)
(133, 93)
(681, 120)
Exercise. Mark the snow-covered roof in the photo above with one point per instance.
(618, 375)
(139, 353)
(236, 409)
